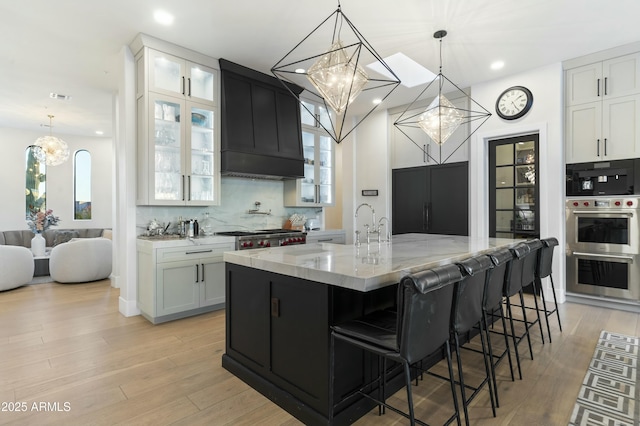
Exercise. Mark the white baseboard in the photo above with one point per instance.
(128, 308)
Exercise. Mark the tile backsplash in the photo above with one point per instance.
(238, 196)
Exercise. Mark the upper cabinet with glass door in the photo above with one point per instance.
(317, 188)
(178, 129)
(175, 76)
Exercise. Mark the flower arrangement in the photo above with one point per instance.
(41, 221)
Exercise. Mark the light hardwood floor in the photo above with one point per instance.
(68, 347)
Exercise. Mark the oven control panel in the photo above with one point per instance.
(603, 203)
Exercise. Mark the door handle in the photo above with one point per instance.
(189, 91)
(182, 187)
(197, 274)
(275, 307)
(598, 147)
(605, 87)
(605, 146)
(202, 275)
(189, 187)
(598, 87)
(624, 259)
(183, 85)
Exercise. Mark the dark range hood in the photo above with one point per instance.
(261, 130)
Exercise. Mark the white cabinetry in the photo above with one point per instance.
(335, 236)
(178, 130)
(411, 147)
(603, 110)
(175, 282)
(317, 188)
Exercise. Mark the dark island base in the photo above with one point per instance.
(278, 341)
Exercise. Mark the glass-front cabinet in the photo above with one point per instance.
(513, 195)
(178, 131)
(182, 152)
(317, 188)
(175, 76)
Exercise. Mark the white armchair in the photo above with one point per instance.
(81, 260)
(16, 266)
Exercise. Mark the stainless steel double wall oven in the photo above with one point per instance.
(603, 229)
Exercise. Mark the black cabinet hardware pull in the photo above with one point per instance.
(605, 146)
(197, 274)
(189, 86)
(275, 307)
(605, 90)
(183, 85)
(202, 271)
(598, 87)
(598, 147)
(182, 187)
(189, 187)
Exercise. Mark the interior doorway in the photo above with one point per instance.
(513, 187)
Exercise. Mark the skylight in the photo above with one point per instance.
(409, 72)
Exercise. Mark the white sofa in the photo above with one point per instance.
(16, 267)
(81, 260)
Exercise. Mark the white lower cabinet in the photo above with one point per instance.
(176, 282)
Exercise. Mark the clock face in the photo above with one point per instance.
(514, 102)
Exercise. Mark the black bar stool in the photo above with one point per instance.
(513, 284)
(419, 328)
(543, 270)
(528, 278)
(466, 314)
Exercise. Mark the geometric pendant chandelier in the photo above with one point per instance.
(441, 118)
(53, 151)
(336, 76)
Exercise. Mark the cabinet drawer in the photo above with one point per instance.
(184, 253)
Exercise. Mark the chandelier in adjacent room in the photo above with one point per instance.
(53, 151)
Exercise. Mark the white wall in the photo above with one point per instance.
(14, 142)
(367, 154)
(546, 118)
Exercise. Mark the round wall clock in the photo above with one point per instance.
(514, 102)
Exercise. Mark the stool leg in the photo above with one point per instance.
(513, 336)
(526, 323)
(461, 378)
(493, 371)
(487, 369)
(506, 341)
(535, 302)
(555, 301)
(407, 373)
(452, 381)
(544, 307)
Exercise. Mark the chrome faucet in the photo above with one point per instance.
(373, 222)
(380, 225)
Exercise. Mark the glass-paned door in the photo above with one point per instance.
(513, 195)
(324, 169)
(202, 156)
(308, 184)
(167, 73)
(167, 143)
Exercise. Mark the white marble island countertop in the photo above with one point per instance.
(367, 267)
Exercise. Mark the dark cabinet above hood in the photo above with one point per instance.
(261, 130)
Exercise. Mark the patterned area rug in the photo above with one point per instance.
(609, 393)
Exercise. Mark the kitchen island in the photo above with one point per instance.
(282, 301)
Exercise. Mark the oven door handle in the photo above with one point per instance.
(610, 212)
(627, 259)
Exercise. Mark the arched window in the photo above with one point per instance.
(82, 185)
(36, 185)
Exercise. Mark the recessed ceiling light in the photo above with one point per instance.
(377, 101)
(497, 65)
(300, 70)
(99, 132)
(163, 17)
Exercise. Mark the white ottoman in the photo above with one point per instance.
(81, 260)
(16, 266)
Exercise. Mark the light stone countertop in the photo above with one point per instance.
(365, 268)
(175, 241)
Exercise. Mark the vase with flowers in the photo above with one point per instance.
(38, 222)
